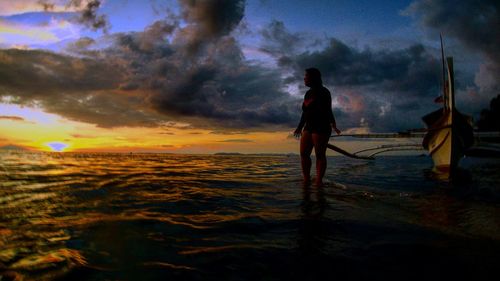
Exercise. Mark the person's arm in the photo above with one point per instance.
(330, 114)
(302, 122)
(298, 132)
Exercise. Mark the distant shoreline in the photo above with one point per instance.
(175, 153)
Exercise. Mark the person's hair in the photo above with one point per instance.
(315, 76)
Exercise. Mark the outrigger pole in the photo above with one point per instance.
(343, 152)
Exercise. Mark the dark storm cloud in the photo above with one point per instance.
(88, 12)
(412, 71)
(235, 95)
(278, 40)
(213, 18)
(40, 72)
(155, 73)
(370, 87)
(82, 44)
(476, 24)
(219, 88)
(81, 89)
(381, 85)
(149, 79)
(197, 74)
(89, 15)
(209, 20)
(47, 6)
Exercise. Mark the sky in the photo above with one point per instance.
(206, 76)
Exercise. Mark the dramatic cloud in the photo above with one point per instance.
(12, 118)
(78, 88)
(411, 70)
(87, 11)
(471, 23)
(26, 6)
(214, 18)
(43, 73)
(152, 78)
(89, 15)
(220, 87)
(209, 20)
(15, 33)
(371, 88)
(190, 68)
(279, 41)
(147, 79)
(381, 85)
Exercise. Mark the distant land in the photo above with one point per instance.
(13, 147)
(255, 154)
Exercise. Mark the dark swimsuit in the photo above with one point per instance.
(317, 116)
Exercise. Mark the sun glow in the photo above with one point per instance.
(57, 146)
(34, 129)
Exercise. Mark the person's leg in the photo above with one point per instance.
(306, 146)
(320, 142)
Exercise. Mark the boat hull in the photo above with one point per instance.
(442, 144)
(449, 132)
(444, 154)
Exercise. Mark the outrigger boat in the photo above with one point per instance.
(448, 137)
(449, 132)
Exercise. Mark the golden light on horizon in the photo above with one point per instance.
(34, 129)
(57, 146)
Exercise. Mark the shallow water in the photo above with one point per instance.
(228, 217)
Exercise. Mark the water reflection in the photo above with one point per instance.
(313, 203)
(151, 217)
(458, 176)
(313, 233)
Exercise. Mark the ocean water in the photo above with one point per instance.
(69, 216)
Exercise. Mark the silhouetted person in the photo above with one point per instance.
(316, 124)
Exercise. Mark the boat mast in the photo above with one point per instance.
(445, 94)
(451, 83)
(456, 147)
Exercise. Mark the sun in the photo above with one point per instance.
(57, 146)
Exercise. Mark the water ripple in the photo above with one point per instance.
(147, 216)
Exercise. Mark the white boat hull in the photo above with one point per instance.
(444, 154)
(449, 132)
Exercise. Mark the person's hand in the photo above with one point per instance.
(297, 133)
(336, 130)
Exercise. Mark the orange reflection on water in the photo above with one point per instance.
(52, 198)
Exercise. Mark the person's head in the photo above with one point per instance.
(312, 77)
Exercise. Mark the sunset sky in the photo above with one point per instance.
(208, 76)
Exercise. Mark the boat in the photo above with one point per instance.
(449, 135)
(449, 132)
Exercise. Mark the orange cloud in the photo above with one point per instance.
(22, 34)
(351, 101)
(12, 118)
(25, 6)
